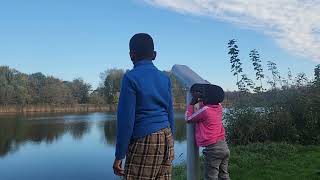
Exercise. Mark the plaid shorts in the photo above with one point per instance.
(150, 157)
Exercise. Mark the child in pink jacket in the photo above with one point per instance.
(209, 129)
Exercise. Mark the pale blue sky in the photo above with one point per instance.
(81, 38)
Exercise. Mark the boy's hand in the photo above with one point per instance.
(117, 168)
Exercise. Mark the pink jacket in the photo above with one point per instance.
(208, 124)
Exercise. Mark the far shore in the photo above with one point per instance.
(74, 108)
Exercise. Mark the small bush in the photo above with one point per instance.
(245, 125)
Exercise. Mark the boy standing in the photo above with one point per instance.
(145, 120)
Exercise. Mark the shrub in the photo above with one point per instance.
(245, 125)
(292, 115)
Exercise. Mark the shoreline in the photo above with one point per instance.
(75, 108)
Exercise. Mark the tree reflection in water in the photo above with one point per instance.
(16, 130)
(111, 126)
(110, 131)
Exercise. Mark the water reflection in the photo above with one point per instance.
(65, 146)
(110, 131)
(78, 129)
(180, 133)
(16, 130)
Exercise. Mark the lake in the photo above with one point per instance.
(65, 146)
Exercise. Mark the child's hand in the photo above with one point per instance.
(194, 101)
(196, 107)
(188, 121)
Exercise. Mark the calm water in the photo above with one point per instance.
(64, 146)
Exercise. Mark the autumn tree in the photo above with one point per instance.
(80, 90)
(112, 84)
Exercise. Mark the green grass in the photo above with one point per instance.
(269, 162)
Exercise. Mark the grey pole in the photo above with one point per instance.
(193, 167)
(188, 77)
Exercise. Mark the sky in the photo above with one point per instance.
(81, 38)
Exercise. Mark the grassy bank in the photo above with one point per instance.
(270, 162)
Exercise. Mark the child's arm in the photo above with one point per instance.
(125, 117)
(196, 116)
(170, 110)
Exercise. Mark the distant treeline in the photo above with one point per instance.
(20, 88)
(17, 88)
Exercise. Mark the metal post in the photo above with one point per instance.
(188, 77)
(193, 166)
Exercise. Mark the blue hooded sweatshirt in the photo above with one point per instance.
(145, 105)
